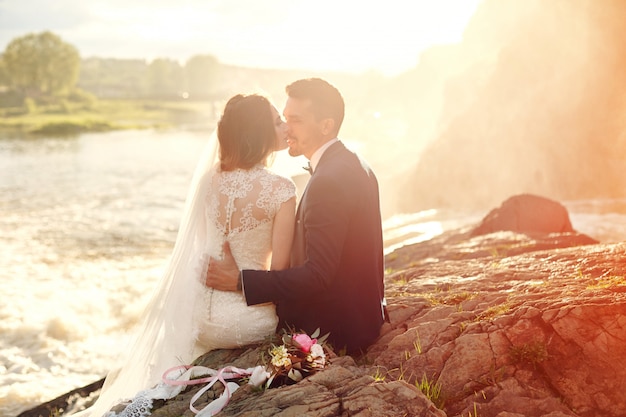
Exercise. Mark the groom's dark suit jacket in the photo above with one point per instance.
(335, 282)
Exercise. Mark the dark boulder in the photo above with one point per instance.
(526, 213)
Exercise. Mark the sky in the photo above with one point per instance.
(350, 35)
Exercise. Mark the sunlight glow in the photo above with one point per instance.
(323, 35)
(361, 36)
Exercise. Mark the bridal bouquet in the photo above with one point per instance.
(298, 356)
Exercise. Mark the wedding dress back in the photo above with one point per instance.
(240, 207)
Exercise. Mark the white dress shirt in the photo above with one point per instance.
(317, 155)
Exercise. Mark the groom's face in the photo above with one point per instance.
(305, 133)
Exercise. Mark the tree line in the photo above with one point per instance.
(43, 67)
(162, 78)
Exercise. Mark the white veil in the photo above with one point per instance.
(165, 336)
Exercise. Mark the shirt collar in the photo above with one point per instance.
(317, 155)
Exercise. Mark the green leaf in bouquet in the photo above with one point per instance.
(322, 340)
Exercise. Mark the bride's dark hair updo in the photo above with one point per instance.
(245, 132)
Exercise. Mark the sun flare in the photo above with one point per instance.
(324, 35)
(360, 36)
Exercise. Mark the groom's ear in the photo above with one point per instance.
(328, 126)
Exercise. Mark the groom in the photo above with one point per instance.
(335, 282)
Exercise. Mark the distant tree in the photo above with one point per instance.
(165, 78)
(114, 78)
(201, 72)
(41, 64)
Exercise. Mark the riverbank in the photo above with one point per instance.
(500, 324)
(68, 118)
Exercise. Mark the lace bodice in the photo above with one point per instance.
(241, 206)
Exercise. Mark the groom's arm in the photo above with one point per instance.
(330, 204)
(223, 274)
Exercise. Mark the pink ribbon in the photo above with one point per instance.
(228, 372)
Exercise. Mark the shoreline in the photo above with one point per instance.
(70, 118)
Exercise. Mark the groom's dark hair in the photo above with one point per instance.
(326, 100)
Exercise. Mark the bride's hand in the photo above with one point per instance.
(223, 274)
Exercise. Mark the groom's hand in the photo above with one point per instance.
(223, 274)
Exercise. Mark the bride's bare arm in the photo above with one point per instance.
(282, 234)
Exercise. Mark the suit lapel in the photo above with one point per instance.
(332, 150)
(298, 252)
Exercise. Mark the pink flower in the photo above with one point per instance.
(304, 342)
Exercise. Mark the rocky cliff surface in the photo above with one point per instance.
(503, 324)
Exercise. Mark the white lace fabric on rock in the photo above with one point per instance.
(184, 319)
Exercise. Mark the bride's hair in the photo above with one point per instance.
(245, 132)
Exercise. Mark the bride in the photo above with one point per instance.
(233, 197)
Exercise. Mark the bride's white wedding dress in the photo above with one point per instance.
(242, 205)
(184, 319)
